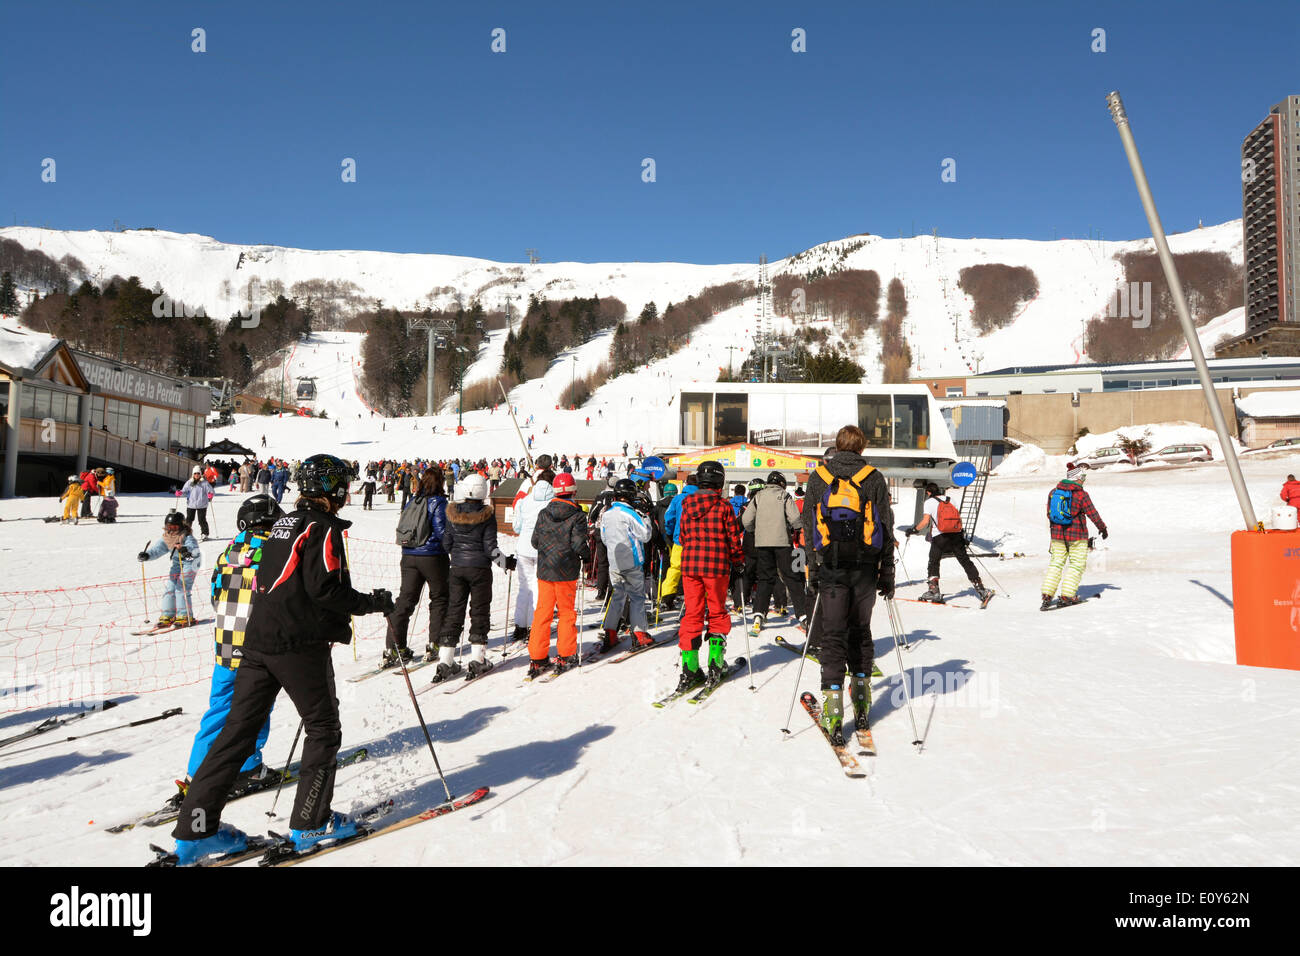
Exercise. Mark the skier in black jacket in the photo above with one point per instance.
(303, 605)
(470, 537)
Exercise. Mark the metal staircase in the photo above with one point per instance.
(979, 454)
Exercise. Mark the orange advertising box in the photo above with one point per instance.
(1266, 597)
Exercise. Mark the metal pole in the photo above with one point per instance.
(902, 670)
(506, 398)
(1120, 117)
(428, 385)
(803, 657)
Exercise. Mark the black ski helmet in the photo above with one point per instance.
(258, 510)
(324, 476)
(776, 478)
(174, 519)
(625, 489)
(710, 474)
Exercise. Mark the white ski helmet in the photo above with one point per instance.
(471, 488)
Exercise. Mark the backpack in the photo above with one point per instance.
(844, 524)
(414, 526)
(1060, 506)
(948, 520)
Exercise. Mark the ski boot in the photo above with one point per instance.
(717, 662)
(643, 639)
(538, 667)
(338, 827)
(933, 593)
(519, 634)
(756, 623)
(1047, 602)
(430, 653)
(860, 693)
(609, 641)
(832, 719)
(183, 620)
(227, 839)
(1064, 601)
(258, 778)
(563, 664)
(395, 657)
(985, 594)
(176, 799)
(167, 620)
(692, 675)
(477, 668)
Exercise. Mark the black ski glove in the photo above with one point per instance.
(1104, 534)
(378, 600)
(511, 563)
(885, 585)
(142, 556)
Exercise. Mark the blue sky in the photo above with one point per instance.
(757, 149)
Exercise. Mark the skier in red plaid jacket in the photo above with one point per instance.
(711, 547)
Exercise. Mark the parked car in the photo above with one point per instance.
(1178, 454)
(1282, 444)
(1105, 456)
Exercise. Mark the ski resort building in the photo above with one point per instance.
(65, 411)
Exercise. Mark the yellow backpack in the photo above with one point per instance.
(844, 525)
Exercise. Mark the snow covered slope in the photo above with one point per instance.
(1116, 733)
(1076, 279)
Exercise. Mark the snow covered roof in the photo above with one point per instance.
(971, 402)
(1270, 404)
(23, 350)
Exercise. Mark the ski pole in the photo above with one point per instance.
(212, 512)
(896, 622)
(144, 587)
(993, 579)
(285, 772)
(135, 723)
(802, 657)
(659, 598)
(411, 690)
(901, 554)
(580, 614)
(749, 656)
(185, 590)
(902, 671)
(505, 626)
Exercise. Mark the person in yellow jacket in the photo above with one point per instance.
(71, 499)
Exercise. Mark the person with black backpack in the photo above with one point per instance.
(424, 561)
(848, 521)
(1069, 509)
(941, 522)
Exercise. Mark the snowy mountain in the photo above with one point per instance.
(1076, 279)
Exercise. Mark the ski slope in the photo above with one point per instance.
(1119, 732)
(1077, 278)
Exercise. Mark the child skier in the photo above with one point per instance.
(625, 533)
(178, 541)
(71, 499)
(234, 581)
(1069, 509)
(560, 540)
(710, 540)
(108, 505)
(470, 538)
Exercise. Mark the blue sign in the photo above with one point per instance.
(656, 468)
(963, 474)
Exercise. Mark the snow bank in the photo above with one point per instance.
(1159, 434)
(1025, 460)
(24, 348)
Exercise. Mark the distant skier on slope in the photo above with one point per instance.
(178, 541)
(1069, 509)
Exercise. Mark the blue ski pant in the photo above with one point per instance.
(223, 689)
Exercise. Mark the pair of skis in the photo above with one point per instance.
(797, 649)
(277, 850)
(701, 694)
(53, 723)
(164, 815)
(165, 628)
(849, 762)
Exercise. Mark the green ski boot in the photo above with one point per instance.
(833, 714)
(692, 675)
(717, 662)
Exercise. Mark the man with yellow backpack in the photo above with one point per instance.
(848, 523)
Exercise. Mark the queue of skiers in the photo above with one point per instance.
(282, 592)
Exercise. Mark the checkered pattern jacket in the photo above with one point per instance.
(709, 535)
(1083, 513)
(234, 580)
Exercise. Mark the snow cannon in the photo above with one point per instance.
(1266, 597)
